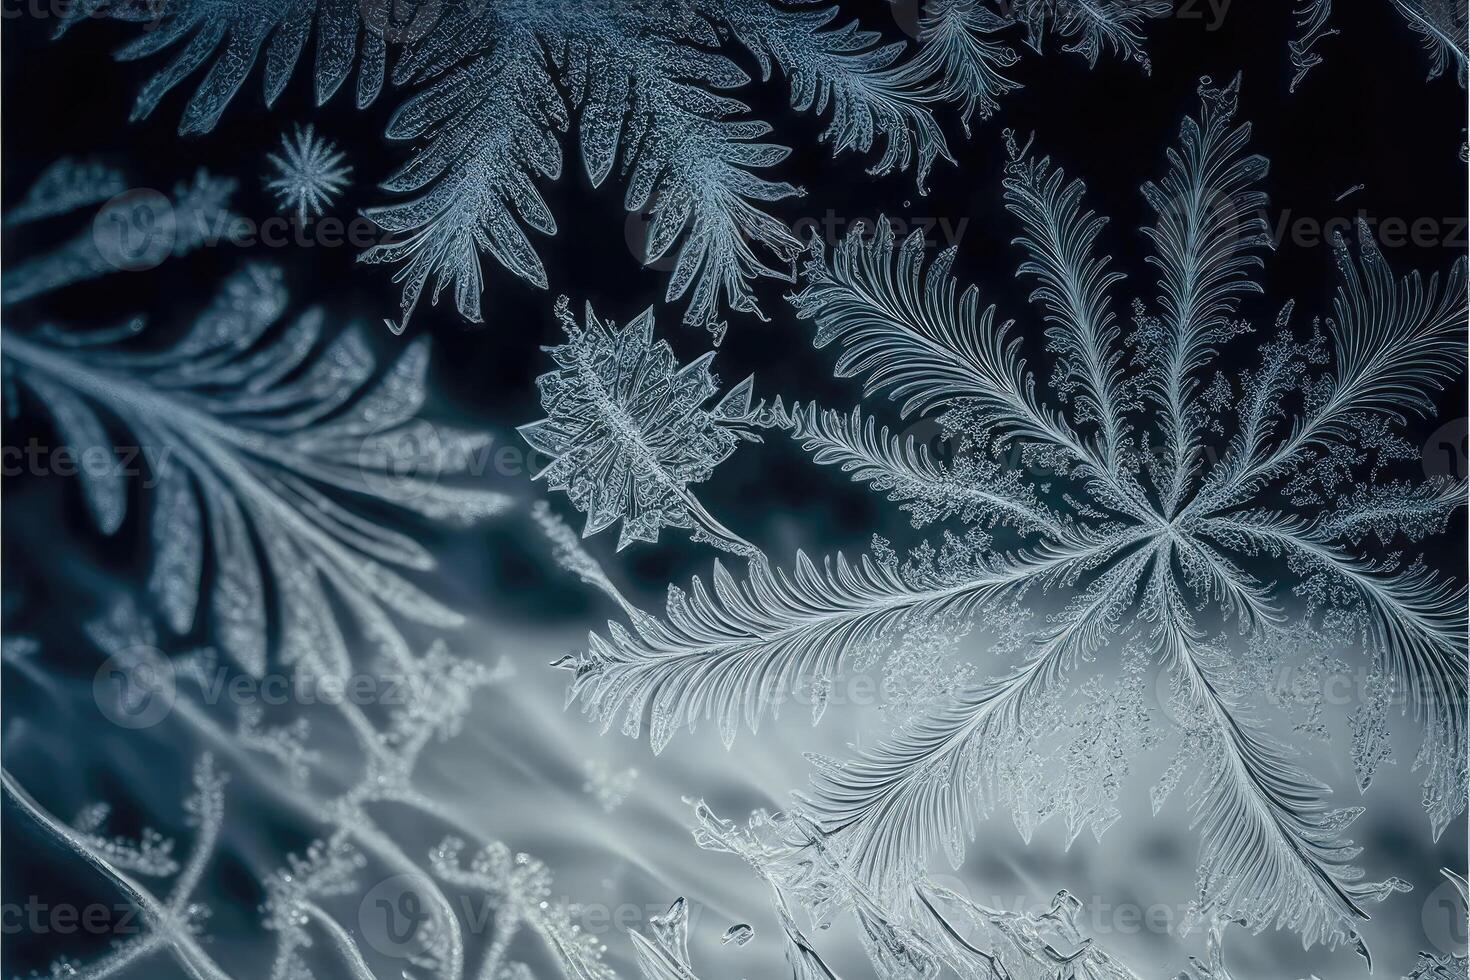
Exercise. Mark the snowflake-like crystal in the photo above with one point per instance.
(309, 173)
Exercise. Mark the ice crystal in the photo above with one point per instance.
(259, 438)
(151, 854)
(739, 934)
(628, 429)
(308, 174)
(293, 901)
(1146, 547)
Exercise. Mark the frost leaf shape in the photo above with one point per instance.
(645, 86)
(309, 174)
(259, 438)
(1152, 552)
(628, 429)
(959, 52)
(645, 91)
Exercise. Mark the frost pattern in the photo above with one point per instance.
(494, 85)
(259, 437)
(1442, 27)
(309, 173)
(1145, 546)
